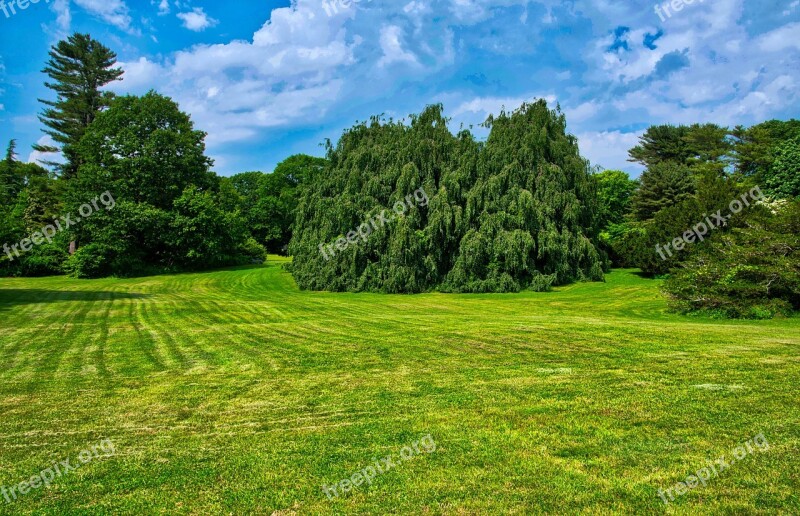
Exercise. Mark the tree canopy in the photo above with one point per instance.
(78, 68)
(516, 212)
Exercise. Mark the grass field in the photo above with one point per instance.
(233, 392)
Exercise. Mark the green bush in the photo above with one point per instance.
(91, 261)
(751, 272)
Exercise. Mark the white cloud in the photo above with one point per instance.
(609, 149)
(782, 38)
(303, 67)
(63, 16)
(392, 46)
(289, 72)
(114, 12)
(163, 7)
(493, 105)
(197, 20)
(139, 77)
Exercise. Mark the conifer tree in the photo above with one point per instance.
(518, 212)
(78, 68)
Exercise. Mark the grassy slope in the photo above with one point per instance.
(232, 391)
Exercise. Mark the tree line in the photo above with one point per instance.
(520, 211)
(172, 212)
(747, 264)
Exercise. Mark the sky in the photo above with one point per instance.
(268, 79)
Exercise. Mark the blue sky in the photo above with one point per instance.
(267, 79)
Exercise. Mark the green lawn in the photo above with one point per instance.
(233, 392)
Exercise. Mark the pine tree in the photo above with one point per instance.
(10, 180)
(662, 185)
(78, 67)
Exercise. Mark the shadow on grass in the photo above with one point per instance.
(14, 297)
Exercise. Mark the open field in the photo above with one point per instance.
(233, 392)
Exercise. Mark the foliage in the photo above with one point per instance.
(168, 213)
(514, 213)
(661, 143)
(782, 179)
(144, 150)
(749, 272)
(662, 185)
(78, 68)
(698, 144)
(754, 147)
(29, 199)
(268, 201)
(614, 191)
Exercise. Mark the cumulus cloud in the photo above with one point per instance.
(163, 7)
(392, 46)
(616, 69)
(114, 12)
(609, 149)
(197, 20)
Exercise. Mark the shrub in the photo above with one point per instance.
(750, 272)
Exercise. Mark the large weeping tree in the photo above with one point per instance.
(78, 68)
(517, 212)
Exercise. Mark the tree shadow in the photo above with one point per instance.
(10, 297)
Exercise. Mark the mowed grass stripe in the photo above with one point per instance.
(233, 392)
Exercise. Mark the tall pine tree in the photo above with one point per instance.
(79, 67)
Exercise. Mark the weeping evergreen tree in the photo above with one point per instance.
(513, 213)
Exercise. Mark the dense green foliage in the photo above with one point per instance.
(30, 198)
(145, 152)
(268, 201)
(78, 68)
(752, 271)
(754, 147)
(517, 212)
(695, 145)
(782, 178)
(662, 185)
(614, 193)
(395, 206)
(745, 264)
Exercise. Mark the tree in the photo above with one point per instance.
(662, 143)
(750, 272)
(412, 207)
(269, 201)
(10, 180)
(144, 150)
(662, 185)
(167, 215)
(29, 199)
(78, 68)
(782, 179)
(754, 147)
(615, 190)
